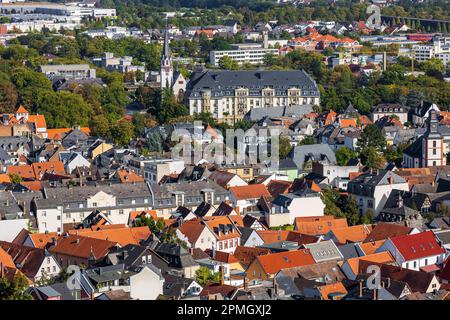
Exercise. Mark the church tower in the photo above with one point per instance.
(432, 143)
(166, 73)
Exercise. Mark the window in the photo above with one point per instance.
(54, 268)
(220, 245)
(44, 213)
(68, 216)
(94, 204)
(426, 262)
(144, 260)
(121, 211)
(48, 260)
(415, 264)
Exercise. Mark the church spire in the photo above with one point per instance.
(166, 47)
(166, 72)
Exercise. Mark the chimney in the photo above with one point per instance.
(374, 294)
(2, 274)
(222, 276)
(92, 295)
(360, 288)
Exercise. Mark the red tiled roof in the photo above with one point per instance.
(382, 231)
(273, 263)
(21, 109)
(122, 236)
(252, 191)
(41, 240)
(79, 246)
(24, 171)
(126, 176)
(419, 245)
(246, 255)
(53, 167)
(320, 225)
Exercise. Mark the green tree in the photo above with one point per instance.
(122, 132)
(15, 178)
(14, 289)
(285, 147)
(204, 275)
(330, 198)
(344, 155)
(227, 63)
(371, 136)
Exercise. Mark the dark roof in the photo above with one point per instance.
(175, 286)
(415, 149)
(348, 251)
(224, 209)
(223, 83)
(382, 231)
(202, 209)
(418, 281)
(27, 259)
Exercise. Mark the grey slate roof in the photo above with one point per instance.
(319, 152)
(365, 184)
(223, 83)
(257, 114)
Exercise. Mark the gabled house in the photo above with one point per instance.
(318, 225)
(36, 264)
(420, 251)
(265, 267)
(371, 190)
(418, 281)
(79, 250)
(243, 197)
(250, 237)
(351, 267)
(350, 234)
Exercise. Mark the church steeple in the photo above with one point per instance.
(166, 72)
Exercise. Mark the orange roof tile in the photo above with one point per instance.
(346, 123)
(21, 109)
(137, 214)
(214, 222)
(222, 256)
(330, 118)
(82, 247)
(32, 185)
(127, 176)
(192, 229)
(24, 171)
(41, 240)
(328, 289)
(274, 262)
(122, 236)
(54, 167)
(250, 191)
(38, 120)
(381, 257)
(371, 247)
(319, 226)
(356, 233)
(4, 178)
(364, 120)
(6, 259)
(55, 133)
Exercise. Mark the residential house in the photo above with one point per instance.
(371, 190)
(36, 264)
(79, 250)
(420, 251)
(265, 267)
